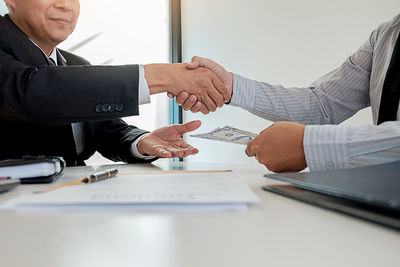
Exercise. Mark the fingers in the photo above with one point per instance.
(159, 151)
(195, 63)
(218, 97)
(181, 98)
(187, 127)
(210, 95)
(190, 102)
(177, 152)
(174, 152)
(209, 103)
(182, 152)
(204, 109)
(196, 107)
(214, 90)
(222, 89)
(188, 149)
(250, 151)
(162, 151)
(200, 62)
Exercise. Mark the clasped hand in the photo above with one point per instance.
(200, 82)
(192, 102)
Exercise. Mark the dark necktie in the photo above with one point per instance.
(52, 62)
(391, 88)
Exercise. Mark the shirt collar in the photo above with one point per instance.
(55, 54)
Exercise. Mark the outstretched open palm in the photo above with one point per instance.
(167, 142)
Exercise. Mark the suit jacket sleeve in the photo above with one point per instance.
(33, 91)
(114, 140)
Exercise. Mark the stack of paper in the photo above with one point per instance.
(212, 190)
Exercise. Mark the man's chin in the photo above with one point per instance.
(59, 38)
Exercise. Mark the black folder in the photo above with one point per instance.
(371, 193)
(33, 170)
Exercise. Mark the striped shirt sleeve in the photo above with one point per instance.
(330, 147)
(331, 99)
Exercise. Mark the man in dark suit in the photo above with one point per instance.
(53, 103)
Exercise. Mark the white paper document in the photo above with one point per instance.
(141, 191)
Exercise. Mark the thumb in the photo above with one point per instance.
(250, 150)
(194, 64)
(187, 127)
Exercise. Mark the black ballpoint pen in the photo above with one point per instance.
(100, 176)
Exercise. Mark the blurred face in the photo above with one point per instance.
(46, 22)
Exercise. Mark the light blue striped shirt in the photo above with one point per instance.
(331, 99)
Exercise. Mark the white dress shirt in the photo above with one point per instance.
(333, 98)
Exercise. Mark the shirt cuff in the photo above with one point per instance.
(135, 151)
(144, 91)
(243, 92)
(326, 147)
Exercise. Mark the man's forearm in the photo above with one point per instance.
(277, 103)
(324, 102)
(339, 147)
(157, 78)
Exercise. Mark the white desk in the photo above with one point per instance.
(278, 232)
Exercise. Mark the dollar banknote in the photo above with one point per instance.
(228, 134)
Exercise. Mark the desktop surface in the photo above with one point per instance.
(277, 232)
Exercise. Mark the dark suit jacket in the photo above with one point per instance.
(38, 103)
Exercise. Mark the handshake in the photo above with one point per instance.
(200, 86)
(203, 85)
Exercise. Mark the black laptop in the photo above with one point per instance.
(371, 192)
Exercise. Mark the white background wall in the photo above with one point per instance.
(277, 41)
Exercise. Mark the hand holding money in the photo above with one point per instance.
(228, 134)
(280, 147)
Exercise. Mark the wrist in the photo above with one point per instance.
(135, 151)
(229, 87)
(139, 145)
(157, 77)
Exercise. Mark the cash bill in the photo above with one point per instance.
(228, 134)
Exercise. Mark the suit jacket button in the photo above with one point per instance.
(119, 107)
(99, 108)
(106, 107)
